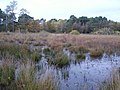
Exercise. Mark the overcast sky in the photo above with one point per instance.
(61, 9)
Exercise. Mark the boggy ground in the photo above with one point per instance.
(93, 43)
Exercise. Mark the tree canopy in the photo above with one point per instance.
(25, 22)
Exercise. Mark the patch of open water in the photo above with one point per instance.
(88, 74)
(85, 75)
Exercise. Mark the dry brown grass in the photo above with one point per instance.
(108, 43)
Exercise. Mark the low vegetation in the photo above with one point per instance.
(74, 32)
(96, 53)
(113, 83)
(59, 59)
(81, 35)
(20, 52)
(25, 79)
(7, 73)
(80, 56)
(109, 43)
(36, 57)
(106, 31)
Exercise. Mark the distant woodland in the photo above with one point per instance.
(26, 23)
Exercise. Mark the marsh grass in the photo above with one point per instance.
(14, 50)
(59, 59)
(94, 53)
(78, 49)
(113, 83)
(47, 51)
(107, 43)
(80, 56)
(7, 73)
(21, 52)
(36, 57)
(27, 79)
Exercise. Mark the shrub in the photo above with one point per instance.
(74, 32)
(106, 31)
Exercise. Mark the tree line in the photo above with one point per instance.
(27, 23)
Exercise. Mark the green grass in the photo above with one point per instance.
(21, 52)
(36, 57)
(61, 60)
(80, 56)
(14, 50)
(7, 74)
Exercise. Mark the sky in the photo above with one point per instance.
(63, 9)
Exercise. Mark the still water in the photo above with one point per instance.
(88, 74)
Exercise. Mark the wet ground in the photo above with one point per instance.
(88, 74)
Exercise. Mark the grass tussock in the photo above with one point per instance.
(80, 56)
(94, 53)
(36, 57)
(59, 60)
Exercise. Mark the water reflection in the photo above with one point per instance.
(86, 75)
